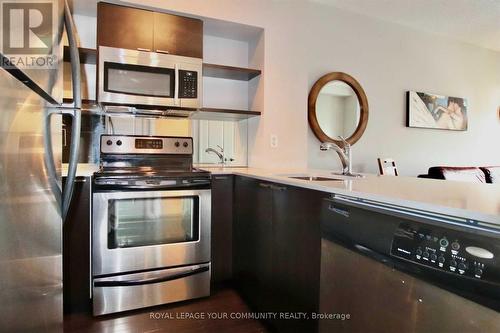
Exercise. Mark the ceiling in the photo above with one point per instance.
(472, 21)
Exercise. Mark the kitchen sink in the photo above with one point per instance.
(353, 175)
(315, 178)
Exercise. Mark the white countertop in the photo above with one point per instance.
(479, 202)
(83, 169)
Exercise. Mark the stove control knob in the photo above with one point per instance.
(109, 142)
(479, 271)
(185, 144)
(441, 259)
(177, 144)
(418, 252)
(433, 256)
(119, 142)
(462, 266)
(453, 263)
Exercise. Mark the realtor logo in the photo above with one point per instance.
(28, 33)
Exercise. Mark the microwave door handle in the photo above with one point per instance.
(176, 85)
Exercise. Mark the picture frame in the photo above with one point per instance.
(427, 110)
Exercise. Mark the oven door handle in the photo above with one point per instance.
(163, 278)
(156, 187)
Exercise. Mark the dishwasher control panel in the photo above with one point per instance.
(448, 250)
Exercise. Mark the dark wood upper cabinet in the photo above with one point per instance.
(124, 27)
(178, 35)
(137, 29)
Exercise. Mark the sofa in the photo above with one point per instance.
(487, 174)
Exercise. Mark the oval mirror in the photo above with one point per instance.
(338, 107)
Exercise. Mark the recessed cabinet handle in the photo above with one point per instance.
(264, 185)
(343, 212)
(162, 51)
(279, 188)
(143, 49)
(221, 177)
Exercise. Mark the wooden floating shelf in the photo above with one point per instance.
(87, 56)
(230, 72)
(224, 114)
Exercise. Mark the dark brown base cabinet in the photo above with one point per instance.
(277, 249)
(222, 228)
(76, 250)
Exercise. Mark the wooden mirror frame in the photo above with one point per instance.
(363, 106)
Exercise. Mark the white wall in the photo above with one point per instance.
(304, 41)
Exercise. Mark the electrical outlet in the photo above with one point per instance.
(274, 141)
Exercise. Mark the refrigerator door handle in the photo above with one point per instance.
(76, 114)
(49, 156)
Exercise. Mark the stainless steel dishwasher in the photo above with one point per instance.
(386, 268)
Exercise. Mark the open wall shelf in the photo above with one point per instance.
(224, 114)
(87, 56)
(230, 72)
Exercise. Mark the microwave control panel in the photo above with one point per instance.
(455, 252)
(188, 84)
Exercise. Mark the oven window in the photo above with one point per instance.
(139, 80)
(152, 221)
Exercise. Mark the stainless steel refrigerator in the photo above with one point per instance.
(32, 204)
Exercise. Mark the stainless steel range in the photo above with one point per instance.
(151, 224)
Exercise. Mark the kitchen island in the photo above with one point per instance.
(470, 201)
(475, 203)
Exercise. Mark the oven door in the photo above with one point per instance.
(138, 230)
(147, 79)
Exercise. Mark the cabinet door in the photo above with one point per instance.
(76, 250)
(124, 27)
(252, 242)
(222, 227)
(178, 35)
(296, 254)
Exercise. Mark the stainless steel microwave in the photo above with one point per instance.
(148, 80)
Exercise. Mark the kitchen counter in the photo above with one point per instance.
(83, 170)
(477, 202)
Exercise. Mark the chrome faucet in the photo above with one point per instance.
(219, 154)
(344, 153)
